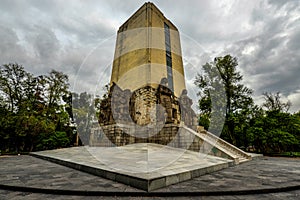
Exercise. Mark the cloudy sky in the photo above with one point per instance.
(78, 38)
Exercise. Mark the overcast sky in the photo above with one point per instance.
(78, 38)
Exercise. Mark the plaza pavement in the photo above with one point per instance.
(26, 177)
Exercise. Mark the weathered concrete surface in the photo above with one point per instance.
(145, 166)
(257, 175)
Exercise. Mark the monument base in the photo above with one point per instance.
(143, 165)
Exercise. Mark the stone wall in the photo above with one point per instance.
(143, 106)
(146, 115)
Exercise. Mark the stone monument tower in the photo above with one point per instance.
(147, 50)
(147, 88)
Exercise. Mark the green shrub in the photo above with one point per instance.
(58, 139)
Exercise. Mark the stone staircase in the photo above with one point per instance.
(213, 145)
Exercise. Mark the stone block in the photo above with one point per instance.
(185, 176)
(172, 179)
(156, 183)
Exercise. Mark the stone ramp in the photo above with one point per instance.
(213, 145)
(145, 166)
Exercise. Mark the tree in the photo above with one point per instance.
(270, 128)
(86, 111)
(84, 114)
(31, 106)
(212, 102)
(275, 130)
(273, 102)
(99, 101)
(234, 98)
(295, 129)
(14, 82)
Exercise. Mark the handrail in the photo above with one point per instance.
(217, 139)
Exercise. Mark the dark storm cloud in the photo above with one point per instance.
(294, 41)
(78, 38)
(9, 44)
(291, 4)
(45, 43)
(270, 59)
(43, 35)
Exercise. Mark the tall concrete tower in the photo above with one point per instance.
(147, 50)
(147, 100)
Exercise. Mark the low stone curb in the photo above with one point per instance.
(147, 194)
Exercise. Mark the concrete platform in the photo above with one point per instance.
(26, 177)
(144, 166)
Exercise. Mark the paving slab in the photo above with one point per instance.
(279, 174)
(144, 166)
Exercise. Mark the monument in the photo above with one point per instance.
(147, 88)
(147, 134)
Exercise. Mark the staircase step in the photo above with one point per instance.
(235, 153)
(222, 143)
(225, 147)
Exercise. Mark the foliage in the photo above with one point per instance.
(275, 132)
(84, 114)
(54, 140)
(32, 106)
(86, 111)
(221, 93)
(273, 102)
(268, 128)
(212, 101)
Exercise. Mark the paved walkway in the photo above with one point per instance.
(258, 175)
